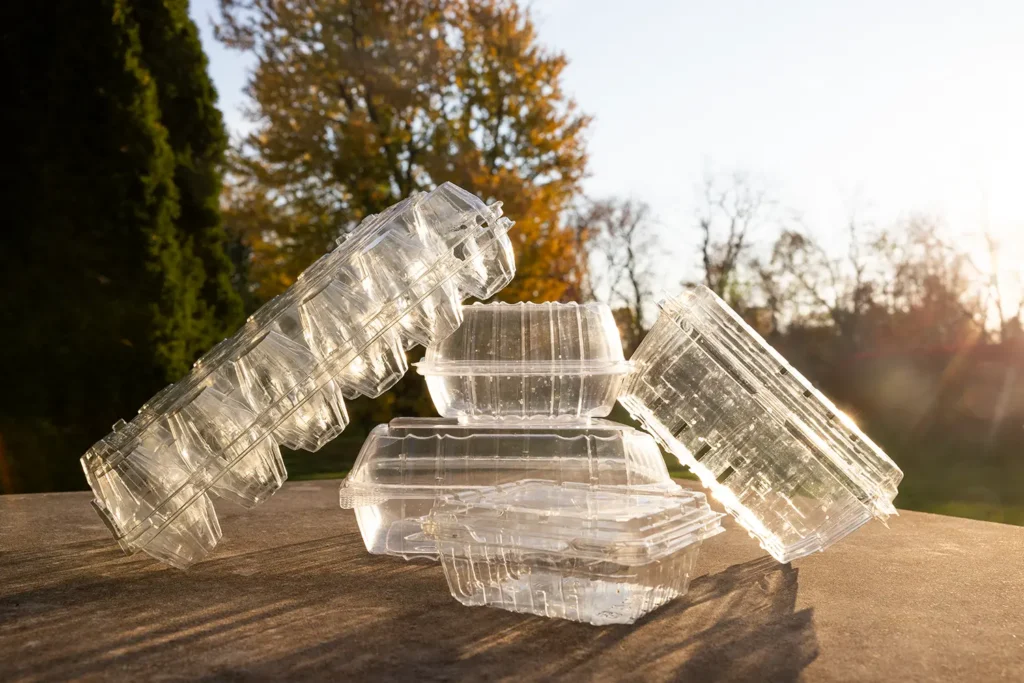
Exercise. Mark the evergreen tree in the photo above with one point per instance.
(101, 282)
(173, 55)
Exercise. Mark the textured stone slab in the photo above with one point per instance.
(291, 592)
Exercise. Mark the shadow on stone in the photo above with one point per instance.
(326, 609)
(740, 625)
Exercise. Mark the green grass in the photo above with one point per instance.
(678, 471)
(315, 476)
(986, 512)
(333, 461)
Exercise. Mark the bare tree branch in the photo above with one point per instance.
(621, 247)
(729, 212)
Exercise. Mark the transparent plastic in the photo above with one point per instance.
(527, 360)
(571, 551)
(794, 470)
(341, 330)
(405, 465)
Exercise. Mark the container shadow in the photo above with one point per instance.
(739, 625)
(326, 609)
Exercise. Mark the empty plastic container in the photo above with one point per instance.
(404, 466)
(340, 330)
(572, 551)
(795, 471)
(151, 493)
(527, 360)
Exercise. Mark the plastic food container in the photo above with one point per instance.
(526, 361)
(406, 465)
(571, 551)
(152, 493)
(340, 330)
(795, 471)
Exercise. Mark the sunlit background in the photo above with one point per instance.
(846, 175)
(871, 109)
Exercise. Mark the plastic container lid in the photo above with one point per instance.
(410, 457)
(405, 465)
(794, 470)
(342, 328)
(527, 360)
(575, 521)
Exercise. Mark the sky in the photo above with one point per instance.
(879, 108)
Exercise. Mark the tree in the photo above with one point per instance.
(101, 292)
(730, 210)
(1008, 321)
(884, 281)
(928, 287)
(621, 244)
(802, 281)
(358, 103)
(174, 57)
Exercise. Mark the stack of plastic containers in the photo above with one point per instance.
(531, 504)
(603, 555)
(339, 332)
(530, 501)
(405, 466)
(534, 506)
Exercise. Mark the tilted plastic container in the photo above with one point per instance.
(572, 551)
(527, 360)
(404, 466)
(795, 471)
(341, 330)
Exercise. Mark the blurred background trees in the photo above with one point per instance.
(140, 237)
(619, 238)
(901, 327)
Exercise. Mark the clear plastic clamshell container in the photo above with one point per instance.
(406, 465)
(340, 331)
(527, 360)
(572, 551)
(795, 471)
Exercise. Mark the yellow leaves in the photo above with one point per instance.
(356, 115)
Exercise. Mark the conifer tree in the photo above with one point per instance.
(173, 55)
(104, 265)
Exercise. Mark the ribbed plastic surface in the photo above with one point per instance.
(340, 331)
(527, 360)
(794, 470)
(572, 551)
(406, 465)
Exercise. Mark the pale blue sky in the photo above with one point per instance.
(889, 107)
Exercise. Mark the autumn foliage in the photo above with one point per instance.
(357, 104)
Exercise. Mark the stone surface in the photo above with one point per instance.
(291, 593)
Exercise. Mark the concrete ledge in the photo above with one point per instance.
(291, 592)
